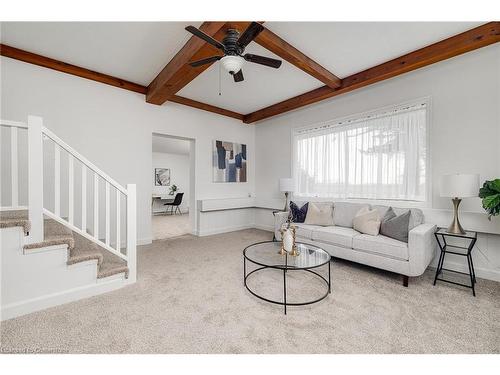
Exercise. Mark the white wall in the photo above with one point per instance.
(464, 136)
(113, 129)
(179, 175)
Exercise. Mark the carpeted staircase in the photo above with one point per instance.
(80, 249)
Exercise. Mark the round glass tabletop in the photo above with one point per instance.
(268, 254)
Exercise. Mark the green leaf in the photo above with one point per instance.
(490, 194)
(495, 185)
(491, 201)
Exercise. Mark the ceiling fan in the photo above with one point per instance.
(233, 45)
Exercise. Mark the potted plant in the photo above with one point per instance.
(173, 189)
(490, 194)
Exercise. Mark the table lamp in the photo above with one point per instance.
(458, 186)
(286, 186)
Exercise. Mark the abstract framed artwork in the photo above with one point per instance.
(162, 177)
(229, 162)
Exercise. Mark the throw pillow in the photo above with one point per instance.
(298, 214)
(319, 214)
(394, 226)
(367, 221)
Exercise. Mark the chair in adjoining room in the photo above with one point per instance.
(176, 203)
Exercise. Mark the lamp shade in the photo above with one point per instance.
(459, 185)
(287, 184)
(232, 64)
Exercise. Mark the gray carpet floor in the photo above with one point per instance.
(190, 298)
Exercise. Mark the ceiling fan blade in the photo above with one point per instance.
(205, 61)
(267, 61)
(250, 33)
(238, 77)
(207, 38)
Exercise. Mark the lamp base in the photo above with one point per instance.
(286, 202)
(455, 226)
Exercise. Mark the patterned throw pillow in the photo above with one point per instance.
(394, 226)
(298, 214)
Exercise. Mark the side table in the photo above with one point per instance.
(441, 234)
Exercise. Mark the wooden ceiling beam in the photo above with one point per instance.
(286, 51)
(206, 107)
(47, 62)
(467, 41)
(178, 73)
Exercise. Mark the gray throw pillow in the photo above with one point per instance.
(394, 226)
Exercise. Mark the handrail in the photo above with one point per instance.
(84, 160)
(17, 124)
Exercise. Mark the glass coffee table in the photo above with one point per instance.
(266, 255)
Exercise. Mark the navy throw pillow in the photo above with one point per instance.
(298, 214)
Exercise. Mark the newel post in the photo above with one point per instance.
(35, 178)
(131, 233)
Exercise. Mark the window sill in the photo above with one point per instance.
(381, 202)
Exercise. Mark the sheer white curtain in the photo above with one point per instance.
(382, 156)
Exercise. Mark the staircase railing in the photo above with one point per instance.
(112, 224)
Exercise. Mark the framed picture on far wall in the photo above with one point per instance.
(229, 162)
(162, 177)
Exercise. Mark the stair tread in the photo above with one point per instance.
(110, 270)
(52, 240)
(108, 263)
(17, 218)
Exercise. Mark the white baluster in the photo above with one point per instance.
(57, 179)
(131, 233)
(106, 240)
(96, 206)
(118, 239)
(14, 166)
(84, 198)
(71, 184)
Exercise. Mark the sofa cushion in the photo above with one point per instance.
(344, 213)
(382, 245)
(319, 214)
(394, 226)
(367, 221)
(416, 214)
(303, 230)
(335, 235)
(298, 212)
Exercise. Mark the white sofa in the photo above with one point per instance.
(342, 241)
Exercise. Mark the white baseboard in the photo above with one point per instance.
(224, 230)
(144, 241)
(482, 273)
(268, 228)
(40, 303)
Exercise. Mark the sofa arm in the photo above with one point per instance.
(421, 248)
(279, 219)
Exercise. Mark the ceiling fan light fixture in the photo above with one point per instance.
(232, 63)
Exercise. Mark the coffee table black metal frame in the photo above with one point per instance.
(285, 268)
(443, 246)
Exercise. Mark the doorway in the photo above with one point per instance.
(172, 198)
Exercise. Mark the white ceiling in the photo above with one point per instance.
(137, 51)
(346, 48)
(170, 145)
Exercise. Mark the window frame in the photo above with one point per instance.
(426, 203)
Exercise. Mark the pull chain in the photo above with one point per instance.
(219, 81)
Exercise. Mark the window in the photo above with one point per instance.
(376, 156)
